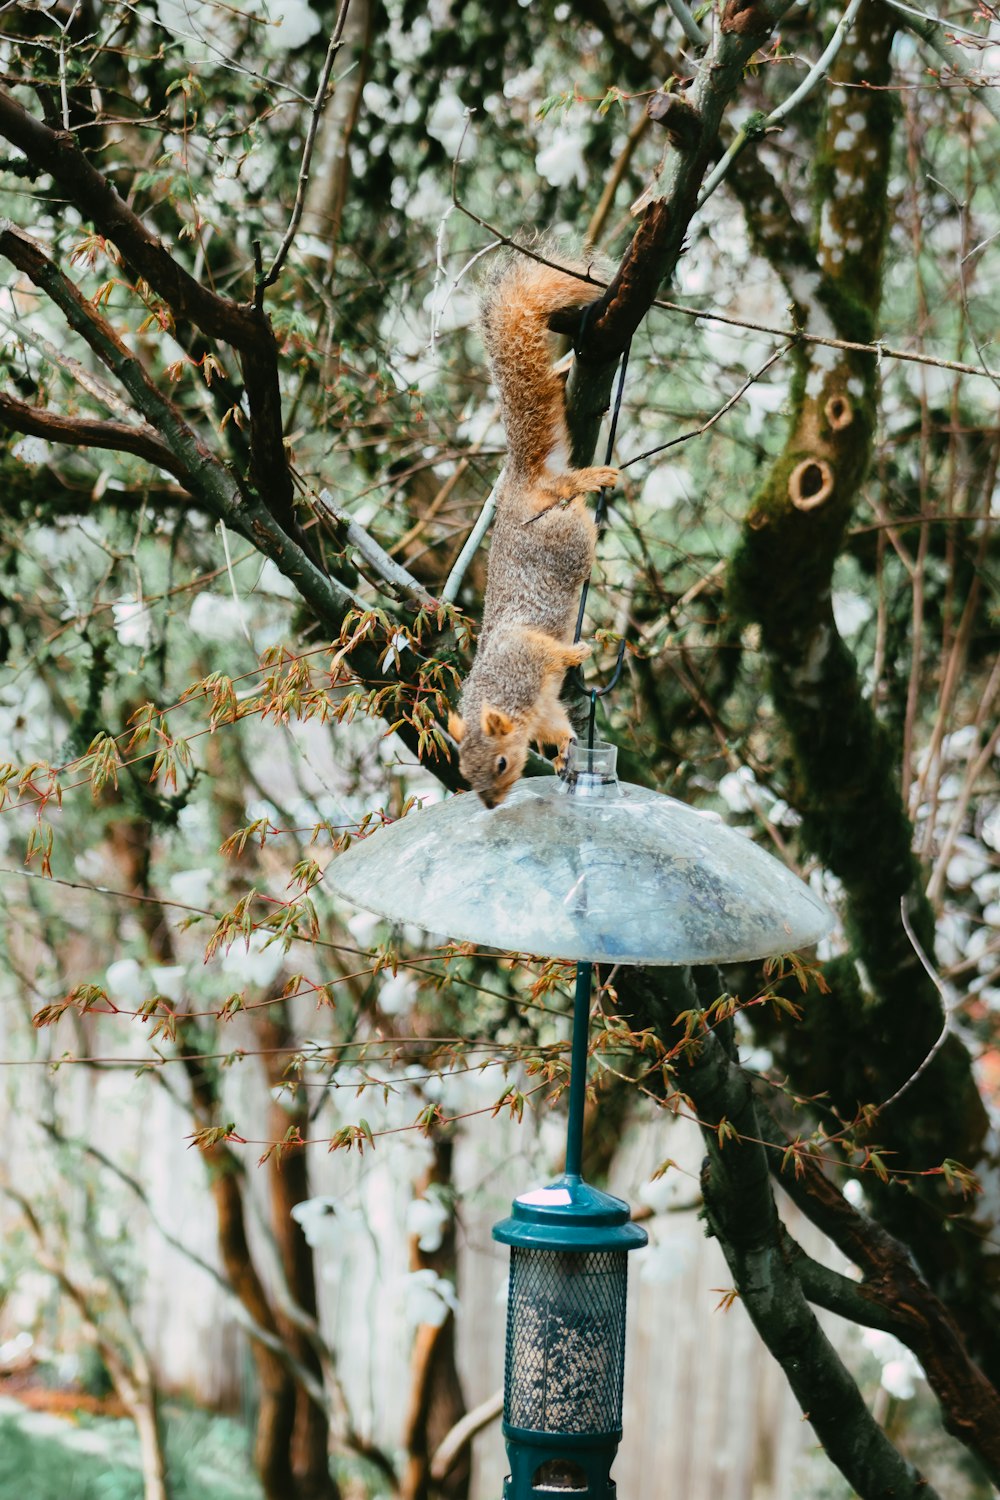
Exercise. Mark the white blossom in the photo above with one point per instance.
(427, 1218)
(32, 450)
(133, 622)
(990, 831)
(900, 1370)
(324, 1221)
(658, 1193)
(561, 161)
(964, 866)
(850, 610)
(124, 982)
(899, 1377)
(253, 961)
(168, 980)
(446, 122)
(292, 23)
(429, 1298)
(396, 994)
(734, 787)
(215, 617)
(663, 1263)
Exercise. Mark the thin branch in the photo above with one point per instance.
(86, 379)
(390, 571)
(716, 416)
(85, 320)
(688, 24)
(454, 580)
(461, 1435)
(895, 1296)
(928, 28)
(740, 1210)
(931, 22)
(935, 979)
(208, 479)
(318, 104)
(880, 350)
(262, 1335)
(815, 76)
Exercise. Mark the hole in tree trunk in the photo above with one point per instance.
(839, 412)
(810, 483)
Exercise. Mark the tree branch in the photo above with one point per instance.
(893, 1296)
(740, 1210)
(929, 28)
(744, 28)
(746, 133)
(207, 478)
(845, 767)
(316, 113)
(400, 579)
(120, 437)
(56, 152)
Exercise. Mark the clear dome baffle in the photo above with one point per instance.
(590, 869)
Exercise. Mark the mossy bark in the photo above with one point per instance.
(867, 1038)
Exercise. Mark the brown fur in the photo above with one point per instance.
(543, 540)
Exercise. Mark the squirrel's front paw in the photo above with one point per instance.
(562, 753)
(577, 654)
(605, 479)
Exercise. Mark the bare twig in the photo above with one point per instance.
(935, 979)
(56, 152)
(86, 379)
(262, 1335)
(932, 21)
(880, 350)
(815, 75)
(454, 581)
(336, 42)
(737, 396)
(388, 569)
(208, 479)
(463, 1432)
(928, 28)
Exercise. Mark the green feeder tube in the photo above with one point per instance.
(565, 1357)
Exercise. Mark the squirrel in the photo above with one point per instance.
(543, 539)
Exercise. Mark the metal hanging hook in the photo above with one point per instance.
(600, 513)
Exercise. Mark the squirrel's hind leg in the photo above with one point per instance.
(556, 657)
(560, 489)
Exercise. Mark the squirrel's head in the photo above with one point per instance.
(492, 753)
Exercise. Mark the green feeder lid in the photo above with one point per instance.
(569, 1214)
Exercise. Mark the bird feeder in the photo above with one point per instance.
(565, 1364)
(591, 869)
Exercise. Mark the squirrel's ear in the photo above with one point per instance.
(495, 722)
(456, 727)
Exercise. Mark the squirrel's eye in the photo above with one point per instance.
(501, 764)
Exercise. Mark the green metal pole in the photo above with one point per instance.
(578, 1071)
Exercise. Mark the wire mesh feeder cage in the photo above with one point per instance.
(565, 1359)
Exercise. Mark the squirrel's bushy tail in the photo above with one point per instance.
(517, 301)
